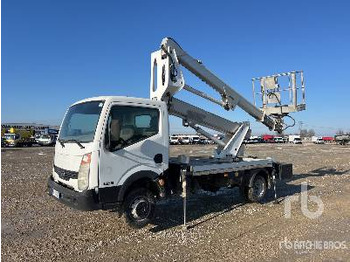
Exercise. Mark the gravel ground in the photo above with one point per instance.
(35, 227)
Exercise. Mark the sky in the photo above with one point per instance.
(57, 52)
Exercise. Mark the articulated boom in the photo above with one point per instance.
(167, 79)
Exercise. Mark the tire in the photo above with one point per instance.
(139, 207)
(257, 192)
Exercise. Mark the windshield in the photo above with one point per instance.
(10, 136)
(81, 121)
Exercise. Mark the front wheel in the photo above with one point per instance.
(139, 207)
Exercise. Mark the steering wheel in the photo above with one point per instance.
(134, 139)
(121, 141)
(118, 144)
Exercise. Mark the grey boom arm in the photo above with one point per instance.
(230, 97)
(167, 79)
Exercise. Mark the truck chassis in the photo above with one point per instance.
(185, 176)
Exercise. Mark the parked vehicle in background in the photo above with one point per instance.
(11, 139)
(19, 137)
(252, 140)
(295, 139)
(219, 136)
(317, 140)
(204, 141)
(46, 140)
(174, 140)
(268, 139)
(328, 139)
(342, 139)
(278, 139)
(185, 140)
(195, 139)
(177, 139)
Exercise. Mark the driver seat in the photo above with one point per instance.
(127, 132)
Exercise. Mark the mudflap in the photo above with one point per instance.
(285, 171)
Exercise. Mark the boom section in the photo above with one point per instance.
(166, 63)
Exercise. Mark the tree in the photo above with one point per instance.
(303, 132)
(310, 133)
(307, 133)
(340, 132)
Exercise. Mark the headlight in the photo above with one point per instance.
(84, 170)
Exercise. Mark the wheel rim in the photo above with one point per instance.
(140, 209)
(259, 187)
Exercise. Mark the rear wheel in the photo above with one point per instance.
(256, 192)
(139, 207)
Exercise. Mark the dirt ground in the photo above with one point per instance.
(35, 227)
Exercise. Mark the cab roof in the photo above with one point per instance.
(134, 100)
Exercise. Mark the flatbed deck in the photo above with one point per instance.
(207, 166)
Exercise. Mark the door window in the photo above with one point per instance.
(128, 125)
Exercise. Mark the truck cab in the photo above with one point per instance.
(11, 138)
(105, 144)
(174, 140)
(278, 139)
(317, 140)
(185, 140)
(17, 138)
(296, 140)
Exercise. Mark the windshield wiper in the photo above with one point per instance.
(70, 140)
(61, 142)
(75, 141)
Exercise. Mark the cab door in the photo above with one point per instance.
(135, 139)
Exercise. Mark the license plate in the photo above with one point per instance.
(55, 193)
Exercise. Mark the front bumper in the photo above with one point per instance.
(86, 200)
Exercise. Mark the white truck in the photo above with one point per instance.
(195, 139)
(113, 152)
(278, 139)
(317, 140)
(294, 139)
(185, 140)
(174, 140)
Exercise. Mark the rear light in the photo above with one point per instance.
(84, 170)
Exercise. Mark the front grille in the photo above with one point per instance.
(65, 174)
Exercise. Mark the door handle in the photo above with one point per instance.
(158, 158)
